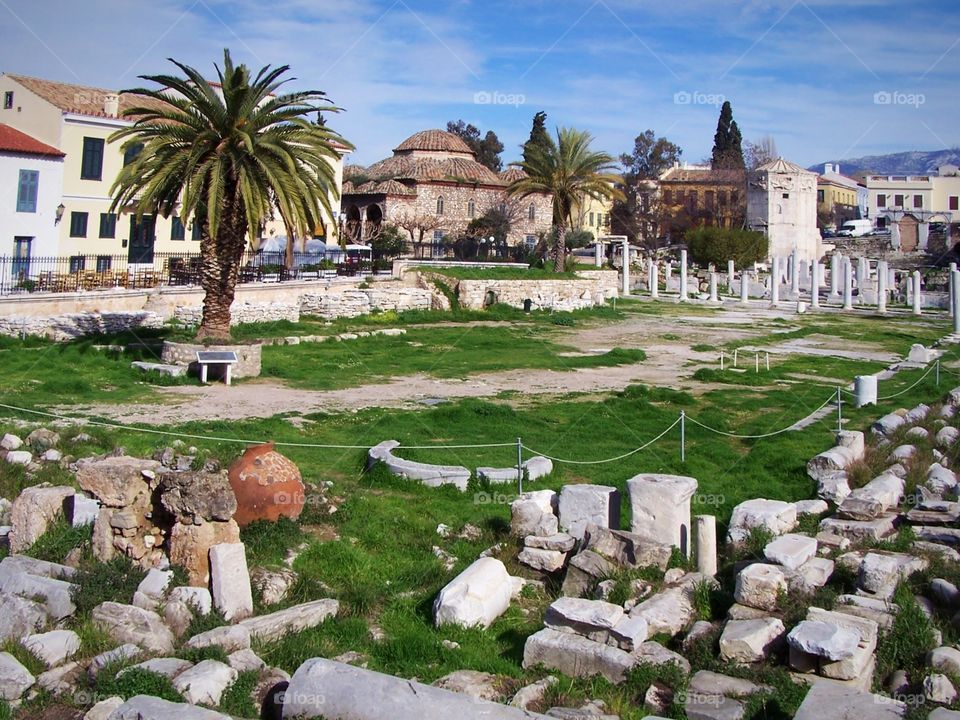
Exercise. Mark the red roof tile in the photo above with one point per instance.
(12, 140)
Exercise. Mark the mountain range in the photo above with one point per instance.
(915, 162)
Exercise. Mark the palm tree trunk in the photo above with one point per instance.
(560, 248)
(220, 269)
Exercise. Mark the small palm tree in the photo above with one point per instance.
(228, 156)
(571, 172)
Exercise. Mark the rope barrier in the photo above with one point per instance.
(757, 437)
(601, 462)
(922, 377)
(213, 438)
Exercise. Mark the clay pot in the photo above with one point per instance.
(267, 485)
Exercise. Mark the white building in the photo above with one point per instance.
(782, 204)
(909, 204)
(31, 180)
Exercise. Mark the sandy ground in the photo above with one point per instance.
(670, 363)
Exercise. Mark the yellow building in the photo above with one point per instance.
(837, 197)
(594, 216)
(79, 120)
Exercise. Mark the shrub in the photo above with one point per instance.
(718, 245)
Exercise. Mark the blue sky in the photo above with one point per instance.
(825, 78)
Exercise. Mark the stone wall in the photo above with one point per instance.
(243, 313)
(337, 302)
(592, 287)
(74, 325)
(248, 357)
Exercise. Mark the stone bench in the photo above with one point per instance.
(534, 468)
(161, 368)
(430, 475)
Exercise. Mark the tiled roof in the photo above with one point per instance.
(512, 174)
(353, 170)
(783, 166)
(424, 169)
(702, 175)
(437, 140)
(838, 179)
(80, 99)
(386, 187)
(12, 140)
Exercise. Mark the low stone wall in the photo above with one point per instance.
(592, 287)
(243, 313)
(248, 357)
(74, 325)
(336, 302)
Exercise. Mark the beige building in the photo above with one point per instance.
(910, 204)
(433, 187)
(79, 120)
(593, 215)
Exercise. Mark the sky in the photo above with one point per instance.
(827, 79)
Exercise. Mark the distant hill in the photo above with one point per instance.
(916, 162)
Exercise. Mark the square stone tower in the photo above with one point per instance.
(782, 204)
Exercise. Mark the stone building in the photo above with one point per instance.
(782, 204)
(433, 187)
(697, 195)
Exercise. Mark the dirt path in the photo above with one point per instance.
(667, 342)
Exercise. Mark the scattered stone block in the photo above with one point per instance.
(129, 624)
(759, 586)
(859, 530)
(660, 508)
(275, 625)
(229, 637)
(561, 542)
(32, 512)
(18, 457)
(116, 481)
(584, 571)
(832, 700)
(811, 507)
(592, 619)
(198, 598)
(103, 709)
(544, 560)
(886, 425)
(824, 640)
(15, 679)
(576, 656)
(10, 442)
(791, 550)
(476, 684)
(84, 510)
(533, 513)
(775, 515)
(669, 611)
(626, 549)
(31, 579)
(945, 658)
(53, 647)
(833, 487)
(205, 682)
(477, 596)
(937, 688)
(147, 707)
(122, 652)
(750, 641)
(230, 581)
(580, 505)
(169, 667)
(21, 617)
(245, 660)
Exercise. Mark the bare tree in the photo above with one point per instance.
(417, 225)
(760, 152)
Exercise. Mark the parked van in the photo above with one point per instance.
(856, 228)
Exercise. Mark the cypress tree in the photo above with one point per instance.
(727, 142)
(538, 135)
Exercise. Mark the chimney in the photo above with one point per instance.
(827, 168)
(836, 168)
(111, 104)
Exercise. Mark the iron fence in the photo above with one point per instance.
(73, 273)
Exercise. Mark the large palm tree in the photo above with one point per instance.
(228, 156)
(570, 171)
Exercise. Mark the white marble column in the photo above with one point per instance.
(683, 276)
(835, 274)
(626, 267)
(815, 285)
(654, 279)
(953, 269)
(705, 534)
(713, 287)
(598, 254)
(917, 295)
(744, 286)
(882, 286)
(730, 270)
(775, 281)
(847, 284)
(667, 272)
(795, 273)
(955, 275)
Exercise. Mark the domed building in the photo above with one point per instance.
(432, 187)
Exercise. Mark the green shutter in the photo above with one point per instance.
(27, 191)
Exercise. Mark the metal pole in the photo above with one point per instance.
(768, 362)
(735, 351)
(757, 363)
(938, 372)
(721, 359)
(683, 436)
(519, 467)
(839, 410)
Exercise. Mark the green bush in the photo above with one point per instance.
(718, 245)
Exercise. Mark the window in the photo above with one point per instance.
(20, 267)
(692, 199)
(786, 196)
(722, 197)
(591, 219)
(130, 154)
(436, 249)
(196, 229)
(954, 202)
(532, 212)
(668, 197)
(104, 263)
(78, 224)
(471, 209)
(27, 191)
(440, 205)
(108, 225)
(881, 200)
(91, 166)
(708, 199)
(8, 100)
(918, 201)
(734, 197)
(820, 196)
(530, 241)
(898, 200)
(77, 263)
(177, 230)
